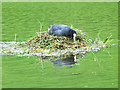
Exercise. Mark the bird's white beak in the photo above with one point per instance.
(74, 36)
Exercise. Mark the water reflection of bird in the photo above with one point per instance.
(65, 62)
(61, 30)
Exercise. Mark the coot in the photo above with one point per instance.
(61, 30)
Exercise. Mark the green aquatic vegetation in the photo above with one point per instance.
(44, 44)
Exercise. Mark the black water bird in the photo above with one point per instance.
(61, 30)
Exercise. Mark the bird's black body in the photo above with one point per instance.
(61, 30)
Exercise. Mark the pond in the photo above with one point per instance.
(85, 71)
(91, 70)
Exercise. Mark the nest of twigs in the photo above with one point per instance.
(43, 44)
(45, 41)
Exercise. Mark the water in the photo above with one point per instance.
(88, 71)
(93, 70)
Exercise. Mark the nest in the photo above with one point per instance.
(43, 44)
(45, 41)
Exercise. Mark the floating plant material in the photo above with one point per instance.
(44, 44)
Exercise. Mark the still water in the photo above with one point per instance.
(92, 70)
